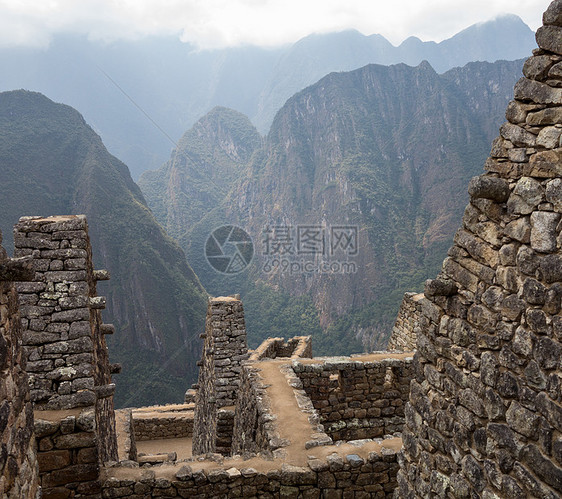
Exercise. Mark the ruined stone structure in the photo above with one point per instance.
(277, 443)
(19, 476)
(477, 413)
(484, 417)
(265, 411)
(66, 355)
(299, 347)
(224, 350)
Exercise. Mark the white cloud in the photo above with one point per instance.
(221, 23)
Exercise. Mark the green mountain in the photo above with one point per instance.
(209, 158)
(53, 163)
(383, 151)
(174, 84)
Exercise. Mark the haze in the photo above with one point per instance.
(210, 24)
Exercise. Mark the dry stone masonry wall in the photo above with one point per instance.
(294, 348)
(358, 397)
(333, 477)
(19, 475)
(168, 421)
(69, 460)
(63, 332)
(66, 354)
(224, 350)
(403, 337)
(484, 417)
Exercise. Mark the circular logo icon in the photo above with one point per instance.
(229, 249)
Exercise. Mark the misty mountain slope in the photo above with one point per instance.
(386, 149)
(174, 84)
(210, 157)
(505, 37)
(501, 38)
(52, 163)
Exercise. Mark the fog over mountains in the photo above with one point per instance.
(174, 85)
(385, 149)
(310, 134)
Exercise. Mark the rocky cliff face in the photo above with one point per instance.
(52, 163)
(385, 150)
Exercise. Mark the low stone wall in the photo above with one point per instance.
(272, 348)
(253, 422)
(153, 423)
(18, 461)
(403, 337)
(358, 397)
(335, 476)
(69, 462)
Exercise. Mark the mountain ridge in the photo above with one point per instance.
(175, 85)
(354, 149)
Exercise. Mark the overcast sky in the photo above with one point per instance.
(223, 23)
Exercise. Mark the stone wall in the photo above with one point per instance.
(336, 476)
(63, 332)
(484, 417)
(66, 353)
(253, 423)
(358, 397)
(404, 332)
(18, 461)
(294, 348)
(69, 462)
(173, 421)
(224, 350)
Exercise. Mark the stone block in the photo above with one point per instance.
(553, 14)
(534, 91)
(53, 460)
(550, 38)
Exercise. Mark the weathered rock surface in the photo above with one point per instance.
(19, 474)
(489, 354)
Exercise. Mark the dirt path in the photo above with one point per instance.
(292, 423)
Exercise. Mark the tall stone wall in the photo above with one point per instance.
(484, 417)
(18, 461)
(66, 353)
(224, 350)
(404, 332)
